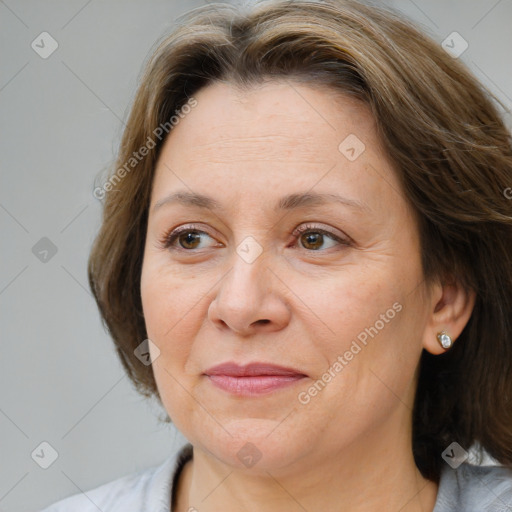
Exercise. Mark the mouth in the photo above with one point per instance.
(252, 379)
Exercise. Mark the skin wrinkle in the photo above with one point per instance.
(267, 148)
(202, 308)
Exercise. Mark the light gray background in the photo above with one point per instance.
(61, 117)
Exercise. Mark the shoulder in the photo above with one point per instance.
(147, 489)
(475, 488)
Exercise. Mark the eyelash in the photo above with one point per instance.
(170, 237)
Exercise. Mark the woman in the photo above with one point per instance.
(305, 256)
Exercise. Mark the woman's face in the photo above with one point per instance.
(342, 304)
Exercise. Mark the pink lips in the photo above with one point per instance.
(252, 379)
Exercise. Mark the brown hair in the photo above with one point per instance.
(441, 130)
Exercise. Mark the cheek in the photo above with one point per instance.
(167, 304)
(166, 298)
(369, 319)
(347, 304)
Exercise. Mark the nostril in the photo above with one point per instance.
(264, 321)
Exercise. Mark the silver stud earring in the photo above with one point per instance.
(444, 340)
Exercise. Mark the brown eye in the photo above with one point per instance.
(186, 238)
(189, 239)
(317, 239)
(312, 240)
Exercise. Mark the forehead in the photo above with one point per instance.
(277, 137)
(281, 120)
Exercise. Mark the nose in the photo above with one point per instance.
(250, 299)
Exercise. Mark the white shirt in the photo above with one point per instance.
(468, 488)
(147, 490)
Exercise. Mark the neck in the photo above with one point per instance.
(376, 472)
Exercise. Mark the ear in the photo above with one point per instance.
(451, 306)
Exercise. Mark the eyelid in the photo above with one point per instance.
(308, 226)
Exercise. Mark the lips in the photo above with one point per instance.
(252, 379)
(251, 370)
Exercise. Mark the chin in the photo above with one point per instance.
(255, 445)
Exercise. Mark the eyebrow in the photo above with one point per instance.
(289, 202)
